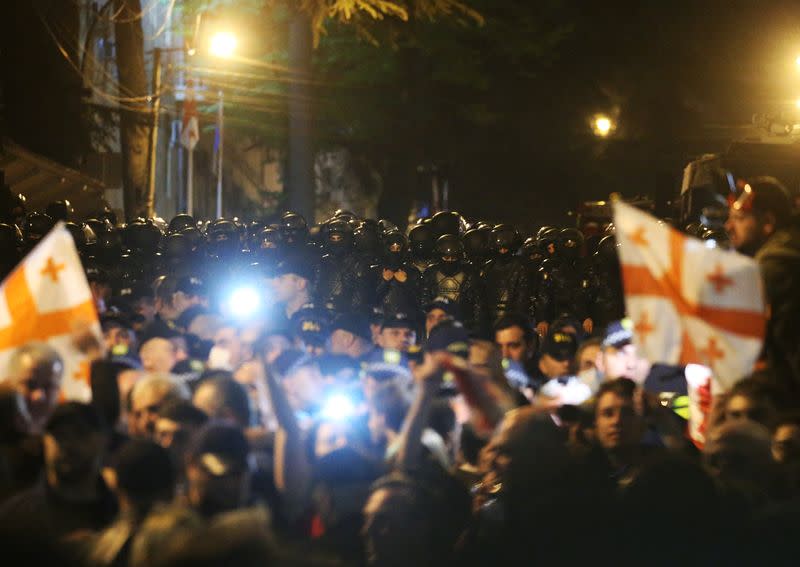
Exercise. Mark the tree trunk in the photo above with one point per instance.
(134, 114)
(301, 155)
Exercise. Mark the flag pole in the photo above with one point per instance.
(190, 182)
(220, 118)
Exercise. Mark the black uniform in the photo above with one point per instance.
(506, 277)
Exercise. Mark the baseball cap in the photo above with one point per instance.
(219, 449)
(398, 320)
(297, 264)
(561, 346)
(310, 324)
(447, 305)
(386, 364)
(449, 336)
(191, 285)
(354, 323)
(618, 334)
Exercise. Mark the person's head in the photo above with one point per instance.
(165, 288)
(397, 332)
(147, 397)
(217, 469)
(438, 310)
(227, 352)
(75, 440)
(403, 524)
(786, 440)
(751, 400)
(515, 338)
(304, 384)
(143, 476)
(271, 344)
(177, 422)
(587, 354)
(761, 207)
(158, 355)
(190, 291)
(739, 455)
(558, 352)
(350, 335)
(292, 282)
(618, 357)
(618, 427)
(223, 398)
(35, 370)
(387, 410)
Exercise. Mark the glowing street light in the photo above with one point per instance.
(602, 125)
(223, 44)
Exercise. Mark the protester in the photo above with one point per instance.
(147, 397)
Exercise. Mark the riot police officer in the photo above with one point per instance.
(507, 286)
(342, 279)
(453, 278)
(566, 283)
(399, 282)
(421, 244)
(609, 304)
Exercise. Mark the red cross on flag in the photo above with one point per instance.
(689, 303)
(46, 298)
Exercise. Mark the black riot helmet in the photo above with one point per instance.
(344, 215)
(450, 252)
(295, 229)
(108, 248)
(10, 238)
(142, 237)
(60, 210)
(421, 241)
(570, 243)
(267, 244)
(195, 237)
(180, 222)
(176, 247)
(367, 239)
(35, 227)
(78, 235)
(505, 240)
(476, 244)
(607, 250)
(531, 250)
(99, 226)
(546, 238)
(395, 247)
(13, 206)
(447, 222)
(387, 226)
(338, 237)
(222, 237)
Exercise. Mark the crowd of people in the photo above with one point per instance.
(352, 394)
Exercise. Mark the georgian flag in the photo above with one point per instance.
(190, 130)
(690, 303)
(47, 299)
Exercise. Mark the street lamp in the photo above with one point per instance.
(602, 125)
(223, 44)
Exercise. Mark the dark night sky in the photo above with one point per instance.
(684, 76)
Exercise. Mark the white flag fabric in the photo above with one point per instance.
(689, 303)
(47, 298)
(190, 129)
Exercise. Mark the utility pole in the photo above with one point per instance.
(156, 101)
(220, 126)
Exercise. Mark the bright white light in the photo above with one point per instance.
(338, 408)
(603, 126)
(244, 301)
(797, 61)
(797, 103)
(223, 44)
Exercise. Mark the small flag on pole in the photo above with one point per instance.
(47, 299)
(190, 131)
